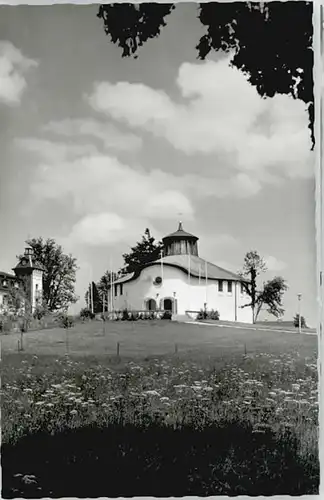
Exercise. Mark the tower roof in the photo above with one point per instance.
(28, 262)
(180, 234)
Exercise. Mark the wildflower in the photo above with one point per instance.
(151, 393)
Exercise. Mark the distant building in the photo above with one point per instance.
(28, 277)
(181, 281)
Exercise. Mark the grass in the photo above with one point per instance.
(216, 418)
(139, 339)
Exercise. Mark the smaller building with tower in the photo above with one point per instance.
(27, 278)
(183, 283)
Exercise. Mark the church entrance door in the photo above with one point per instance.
(168, 305)
(151, 305)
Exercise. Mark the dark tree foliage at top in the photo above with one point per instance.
(131, 25)
(271, 42)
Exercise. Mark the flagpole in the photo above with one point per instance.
(161, 265)
(91, 293)
(206, 278)
(189, 281)
(111, 286)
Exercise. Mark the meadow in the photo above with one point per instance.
(183, 409)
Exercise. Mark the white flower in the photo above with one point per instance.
(152, 393)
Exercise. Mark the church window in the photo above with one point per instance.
(115, 290)
(121, 289)
(220, 286)
(229, 287)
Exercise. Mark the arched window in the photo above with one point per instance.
(168, 304)
(151, 305)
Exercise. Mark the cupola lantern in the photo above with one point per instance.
(180, 243)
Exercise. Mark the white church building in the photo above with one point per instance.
(184, 283)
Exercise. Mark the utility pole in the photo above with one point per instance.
(299, 311)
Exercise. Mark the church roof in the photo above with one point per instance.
(197, 267)
(179, 234)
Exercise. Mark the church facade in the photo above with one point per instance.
(27, 277)
(183, 283)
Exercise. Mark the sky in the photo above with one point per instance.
(96, 147)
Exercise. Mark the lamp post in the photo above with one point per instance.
(299, 311)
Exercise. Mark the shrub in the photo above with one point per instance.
(201, 315)
(125, 315)
(7, 325)
(65, 321)
(85, 313)
(302, 321)
(40, 312)
(214, 315)
(133, 316)
(166, 315)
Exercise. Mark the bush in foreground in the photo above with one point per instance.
(214, 315)
(143, 416)
(155, 460)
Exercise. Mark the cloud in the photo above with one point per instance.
(109, 135)
(264, 139)
(107, 229)
(54, 152)
(273, 264)
(13, 66)
(111, 200)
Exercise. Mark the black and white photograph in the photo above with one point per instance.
(158, 265)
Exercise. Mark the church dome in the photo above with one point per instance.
(180, 243)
